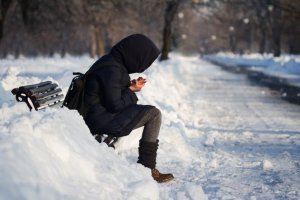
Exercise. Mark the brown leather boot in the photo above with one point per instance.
(161, 178)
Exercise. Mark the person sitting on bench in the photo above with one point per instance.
(110, 95)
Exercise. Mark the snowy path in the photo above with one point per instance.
(222, 137)
(246, 139)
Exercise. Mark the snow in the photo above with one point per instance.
(221, 137)
(180, 15)
(246, 21)
(285, 68)
(285, 64)
(267, 165)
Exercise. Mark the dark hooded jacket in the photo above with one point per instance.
(112, 105)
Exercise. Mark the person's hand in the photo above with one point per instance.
(137, 85)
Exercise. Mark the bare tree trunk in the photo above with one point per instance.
(171, 10)
(276, 28)
(166, 42)
(99, 42)
(63, 48)
(276, 39)
(24, 9)
(93, 47)
(249, 39)
(262, 40)
(96, 42)
(3, 10)
(232, 43)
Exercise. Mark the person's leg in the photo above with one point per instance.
(151, 122)
(149, 143)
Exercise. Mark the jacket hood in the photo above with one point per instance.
(135, 52)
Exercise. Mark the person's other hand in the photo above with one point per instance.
(137, 85)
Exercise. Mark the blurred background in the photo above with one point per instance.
(76, 27)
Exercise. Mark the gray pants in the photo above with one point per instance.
(151, 122)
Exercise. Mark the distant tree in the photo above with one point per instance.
(291, 12)
(272, 22)
(5, 4)
(171, 10)
(41, 27)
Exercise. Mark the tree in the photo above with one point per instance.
(5, 4)
(170, 12)
(271, 21)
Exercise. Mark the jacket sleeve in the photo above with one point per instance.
(116, 96)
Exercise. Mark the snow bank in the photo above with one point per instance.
(285, 64)
(50, 154)
(267, 165)
(281, 73)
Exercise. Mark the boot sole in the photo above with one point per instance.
(166, 180)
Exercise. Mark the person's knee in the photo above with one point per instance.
(156, 112)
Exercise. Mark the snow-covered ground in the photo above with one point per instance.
(222, 137)
(285, 67)
(289, 64)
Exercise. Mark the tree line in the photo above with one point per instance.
(43, 27)
(264, 26)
